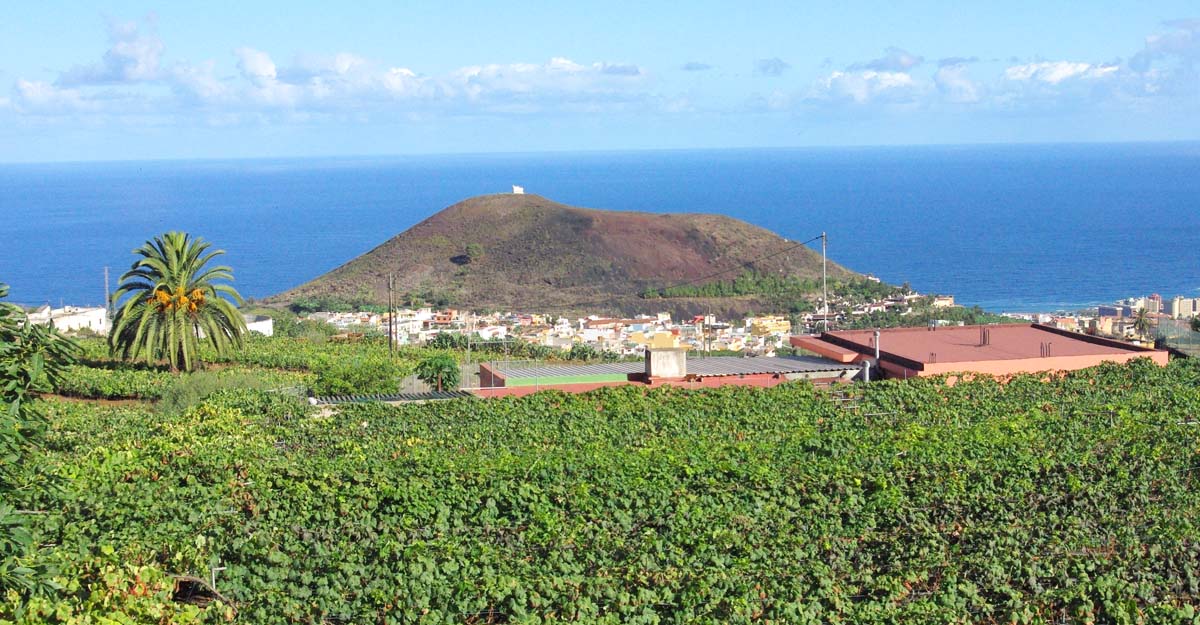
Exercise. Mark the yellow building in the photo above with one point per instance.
(658, 340)
(770, 324)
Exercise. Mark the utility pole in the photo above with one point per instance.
(391, 317)
(107, 297)
(470, 330)
(824, 284)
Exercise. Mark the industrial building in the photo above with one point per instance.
(994, 349)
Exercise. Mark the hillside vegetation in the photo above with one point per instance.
(1069, 500)
(524, 252)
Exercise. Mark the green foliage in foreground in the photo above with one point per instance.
(32, 358)
(1074, 500)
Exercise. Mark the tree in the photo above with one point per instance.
(1195, 324)
(439, 371)
(1141, 322)
(32, 359)
(173, 303)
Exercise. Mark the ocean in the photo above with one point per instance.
(1008, 228)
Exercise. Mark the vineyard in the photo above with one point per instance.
(1067, 500)
(295, 364)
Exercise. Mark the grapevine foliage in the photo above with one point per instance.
(1070, 498)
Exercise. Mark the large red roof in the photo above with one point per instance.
(965, 344)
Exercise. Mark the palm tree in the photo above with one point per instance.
(439, 371)
(174, 303)
(1141, 322)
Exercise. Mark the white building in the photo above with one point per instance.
(1183, 307)
(72, 318)
(262, 324)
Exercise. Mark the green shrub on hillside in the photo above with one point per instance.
(92, 383)
(188, 390)
(361, 375)
(183, 389)
(440, 371)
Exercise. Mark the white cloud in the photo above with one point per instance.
(771, 67)
(30, 96)
(1182, 42)
(952, 81)
(864, 86)
(132, 57)
(199, 83)
(894, 60)
(1055, 72)
(886, 79)
(133, 78)
(256, 66)
(560, 79)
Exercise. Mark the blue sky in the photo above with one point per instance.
(137, 80)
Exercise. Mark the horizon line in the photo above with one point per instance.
(601, 151)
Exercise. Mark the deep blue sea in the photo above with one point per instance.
(1016, 228)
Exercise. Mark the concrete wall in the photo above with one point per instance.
(262, 324)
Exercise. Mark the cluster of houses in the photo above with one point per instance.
(95, 320)
(625, 336)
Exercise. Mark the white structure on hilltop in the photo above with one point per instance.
(72, 318)
(518, 190)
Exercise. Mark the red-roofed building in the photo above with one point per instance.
(994, 349)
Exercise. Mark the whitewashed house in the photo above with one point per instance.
(72, 318)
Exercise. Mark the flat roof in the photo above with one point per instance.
(964, 343)
(701, 366)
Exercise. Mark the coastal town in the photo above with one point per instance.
(1136, 319)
